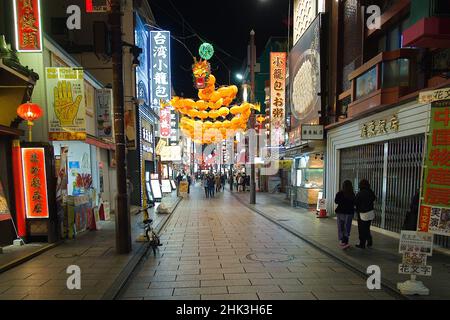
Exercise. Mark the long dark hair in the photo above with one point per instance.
(347, 189)
(364, 184)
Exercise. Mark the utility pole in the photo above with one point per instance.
(252, 116)
(123, 226)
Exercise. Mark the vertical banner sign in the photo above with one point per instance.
(5, 214)
(103, 102)
(161, 77)
(277, 96)
(35, 183)
(65, 104)
(435, 206)
(27, 25)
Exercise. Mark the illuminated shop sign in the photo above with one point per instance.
(161, 77)
(277, 95)
(66, 105)
(27, 25)
(35, 183)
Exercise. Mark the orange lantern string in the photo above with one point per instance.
(29, 112)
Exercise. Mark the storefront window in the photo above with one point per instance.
(395, 73)
(366, 83)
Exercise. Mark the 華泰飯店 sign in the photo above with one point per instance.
(35, 183)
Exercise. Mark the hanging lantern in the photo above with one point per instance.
(206, 51)
(29, 112)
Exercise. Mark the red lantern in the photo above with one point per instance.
(29, 112)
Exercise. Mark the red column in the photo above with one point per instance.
(19, 188)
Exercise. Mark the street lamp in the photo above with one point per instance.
(239, 76)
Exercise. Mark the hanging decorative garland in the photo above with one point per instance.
(212, 118)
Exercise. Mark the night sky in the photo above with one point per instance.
(226, 24)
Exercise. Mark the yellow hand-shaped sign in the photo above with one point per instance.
(66, 108)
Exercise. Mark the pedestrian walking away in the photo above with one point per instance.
(206, 185)
(189, 180)
(211, 185)
(364, 207)
(345, 200)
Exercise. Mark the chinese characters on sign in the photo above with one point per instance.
(35, 182)
(434, 95)
(378, 127)
(161, 78)
(277, 96)
(435, 207)
(66, 106)
(312, 132)
(27, 23)
(147, 140)
(415, 247)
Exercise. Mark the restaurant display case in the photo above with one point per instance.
(309, 172)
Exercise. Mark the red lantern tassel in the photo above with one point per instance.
(19, 188)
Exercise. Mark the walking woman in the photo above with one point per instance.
(345, 199)
(205, 185)
(364, 207)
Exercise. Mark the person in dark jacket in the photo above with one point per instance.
(345, 199)
(410, 222)
(364, 207)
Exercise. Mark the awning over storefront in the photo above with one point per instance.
(100, 143)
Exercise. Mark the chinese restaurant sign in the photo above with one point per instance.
(27, 24)
(5, 214)
(379, 127)
(35, 182)
(66, 104)
(161, 77)
(435, 206)
(277, 95)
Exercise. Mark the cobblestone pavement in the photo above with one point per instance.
(219, 249)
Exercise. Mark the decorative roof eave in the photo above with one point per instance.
(19, 70)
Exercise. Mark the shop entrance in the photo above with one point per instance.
(394, 170)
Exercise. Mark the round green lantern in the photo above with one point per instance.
(206, 51)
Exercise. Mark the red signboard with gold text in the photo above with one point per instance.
(27, 24)
(35, 183)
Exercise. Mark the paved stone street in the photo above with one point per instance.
(44, 277)
(220, 249)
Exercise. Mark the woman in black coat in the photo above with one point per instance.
(364, 201)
